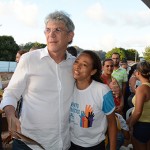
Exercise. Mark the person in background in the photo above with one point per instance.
(132, 84)
(139, 121)
(19, 54)
(92, 108)
(108, 66)
(124, 64)
(45, 81)
(72, 50)
(119, 73)
(19, 104)
(122, 131)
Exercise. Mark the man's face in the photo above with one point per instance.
(57, 36)
(108, 67)
(116, 59)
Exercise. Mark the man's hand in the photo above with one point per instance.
(13, 122)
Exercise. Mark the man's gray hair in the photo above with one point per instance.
(61, 16)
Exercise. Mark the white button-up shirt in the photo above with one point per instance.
(46, 88)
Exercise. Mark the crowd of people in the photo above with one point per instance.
(72, 101)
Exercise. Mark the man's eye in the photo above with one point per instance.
(47, 30)
(58, 30)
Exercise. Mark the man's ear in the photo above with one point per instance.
(70, 37)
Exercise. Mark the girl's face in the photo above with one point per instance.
(83, 68)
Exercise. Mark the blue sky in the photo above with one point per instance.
(99, 24)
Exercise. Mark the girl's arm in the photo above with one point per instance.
(112, 131)
(139, 103)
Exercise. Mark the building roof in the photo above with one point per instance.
(147, 2)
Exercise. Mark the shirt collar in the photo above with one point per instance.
(118, 68)
(44, 53)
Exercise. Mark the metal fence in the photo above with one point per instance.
(7, 66)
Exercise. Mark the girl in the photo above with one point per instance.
(92, 109)
(140, 118)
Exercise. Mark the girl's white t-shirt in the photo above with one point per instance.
(88, 112)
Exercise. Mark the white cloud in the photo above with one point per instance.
(107, 42)
(138, 42)
(97, 13)
(140, 19)
(25, 13)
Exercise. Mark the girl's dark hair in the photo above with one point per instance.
(133, 68)
(96, 64)
(144, 68)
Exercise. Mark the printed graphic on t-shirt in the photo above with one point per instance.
(86, 116)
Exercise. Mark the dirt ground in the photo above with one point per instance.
(5, 77)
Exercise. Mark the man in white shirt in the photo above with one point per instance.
(44, 79)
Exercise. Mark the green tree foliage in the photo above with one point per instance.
(28, 45)
(121, 51)
(131, 54)
(128, 54)
(8, 48)
(146, 54)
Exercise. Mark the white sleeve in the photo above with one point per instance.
(17, 84)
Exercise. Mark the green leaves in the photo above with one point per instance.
(8, 48)
(146, 54)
